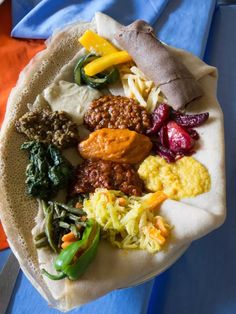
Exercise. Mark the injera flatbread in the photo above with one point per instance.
(112, 268)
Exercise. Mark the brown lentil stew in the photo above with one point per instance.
(104, 174)
(49, 127)
(117, 112)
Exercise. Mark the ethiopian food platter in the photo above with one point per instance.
(112, 160)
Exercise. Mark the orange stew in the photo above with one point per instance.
(117, 145)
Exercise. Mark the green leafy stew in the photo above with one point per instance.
(47, 172)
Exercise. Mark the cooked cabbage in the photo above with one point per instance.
(127, 222)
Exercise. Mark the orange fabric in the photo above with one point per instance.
(3, 239)
(14, 55)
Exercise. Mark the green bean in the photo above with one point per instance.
(45, 207)
(57, 210)
(73, 217)
(81, 223)
(49, 229)
(58, 215)
(75, 231)
(42, 243)
(63, 214)
(64, 224)
(71, 209)
(39, 236)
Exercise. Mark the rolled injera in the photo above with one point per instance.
(159, 64)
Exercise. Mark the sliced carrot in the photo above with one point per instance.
(161, 239)
(161, 226)
(69, 237)
(65, 244)
(155, 234)
(154, 200)
(122, 201)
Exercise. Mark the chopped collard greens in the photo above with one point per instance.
(47, 172)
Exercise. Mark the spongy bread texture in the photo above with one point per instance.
(112, 268)
(17, 210)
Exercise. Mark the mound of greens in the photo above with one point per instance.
(47, 172)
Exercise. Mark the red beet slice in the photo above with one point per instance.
(163, 136)
(165, 153)
(193, 133)
(179, 140)
(190, 120)
(159, 116)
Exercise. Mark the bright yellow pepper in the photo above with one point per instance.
(97, 44)
(102, 63)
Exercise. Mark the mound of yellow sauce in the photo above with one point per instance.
(185, 178)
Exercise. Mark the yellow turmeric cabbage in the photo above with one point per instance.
(129, 222)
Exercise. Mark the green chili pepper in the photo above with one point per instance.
(76, 270)
(98, 81)
(59, 276)
(73, 261)
(81, 62)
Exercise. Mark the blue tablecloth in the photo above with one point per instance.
(203, 280)
(39, 21)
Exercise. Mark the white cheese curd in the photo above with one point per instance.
(71, 98)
